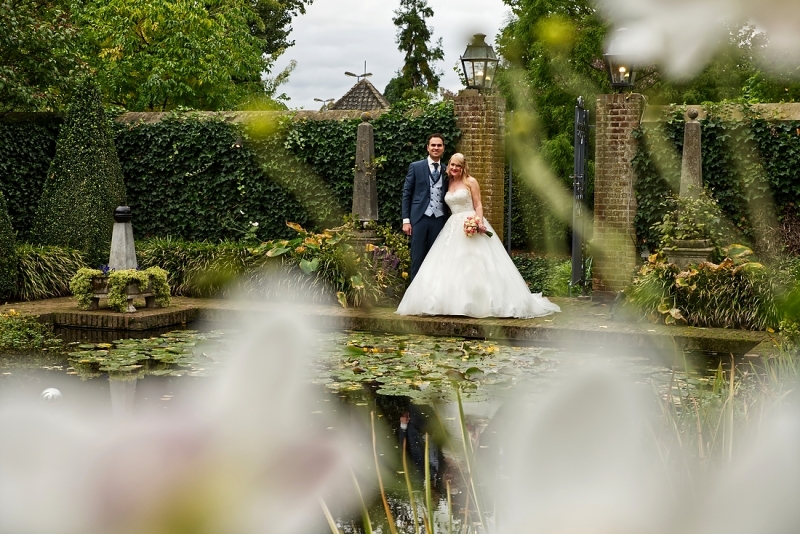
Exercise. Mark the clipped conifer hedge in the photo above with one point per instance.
(84, 184)
(8, 253)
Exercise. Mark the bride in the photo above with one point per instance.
(470, 275)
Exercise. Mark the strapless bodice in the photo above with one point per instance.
(459, 200)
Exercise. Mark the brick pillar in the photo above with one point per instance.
(614, 241)
(481, 119)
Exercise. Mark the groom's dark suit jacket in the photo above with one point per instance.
(417, 191)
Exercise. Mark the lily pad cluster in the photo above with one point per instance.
(426, 369)
(182, 352)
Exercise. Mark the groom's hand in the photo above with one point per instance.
(406, 228)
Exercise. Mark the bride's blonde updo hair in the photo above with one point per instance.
(459, 159)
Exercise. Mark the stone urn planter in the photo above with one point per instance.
(132, 290)
(685, 252)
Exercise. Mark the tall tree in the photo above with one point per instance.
(275, 18)
(413, 39)
(38, 54)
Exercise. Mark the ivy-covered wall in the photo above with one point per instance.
(197, 176)
(749, 162)
(27, 146)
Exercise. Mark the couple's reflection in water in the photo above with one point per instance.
(402, 425)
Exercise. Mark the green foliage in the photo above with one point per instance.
(45, 272)
(156, 55)
(697, 216)
(81, 286)
(192, 265)
(153, 278)
(186, 178)
(748, 163)
(118, 282)
(736, 293)
(170, 354)
(337, 268)
(23, 333)
(550, 276)
(27, 146)
(8, 252)
(157, 280)
(273, 27)
(324, 267)
(84, 184)
(38, 54)
(413, 39)
(559, 281)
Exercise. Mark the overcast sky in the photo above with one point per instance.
(335, 36)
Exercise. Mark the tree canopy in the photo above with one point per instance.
(38, 54)
(146, 54)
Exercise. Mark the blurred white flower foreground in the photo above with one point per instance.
(682, 35)
(243, 456)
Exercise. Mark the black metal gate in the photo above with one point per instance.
(578, 281)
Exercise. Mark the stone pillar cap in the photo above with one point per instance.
(122, 214)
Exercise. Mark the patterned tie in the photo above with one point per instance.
(435, 174)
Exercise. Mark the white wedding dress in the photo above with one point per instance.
(472, 276)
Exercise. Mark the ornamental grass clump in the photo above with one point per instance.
(738, 292)
(45, 271)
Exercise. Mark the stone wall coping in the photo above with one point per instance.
(245, 116)
(787, 111)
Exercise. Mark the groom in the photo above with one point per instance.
(424, 210)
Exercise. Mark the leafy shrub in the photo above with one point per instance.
(84, 184)
(196, 269)
(8, 252)
(736, 293)
(324, 266)
(549, 276)
(45, 272)
(559, 281)
(697, 216)
(23, 333)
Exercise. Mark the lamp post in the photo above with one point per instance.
(358, 76)
(480, 63)
(325, 103)
(620, 64)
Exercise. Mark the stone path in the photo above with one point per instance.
(581, 322)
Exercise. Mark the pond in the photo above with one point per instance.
(407, 386)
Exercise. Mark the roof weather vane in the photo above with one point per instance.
(359, 76)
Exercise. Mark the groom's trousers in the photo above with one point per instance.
(423, 234)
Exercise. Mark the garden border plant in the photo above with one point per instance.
(152, 278)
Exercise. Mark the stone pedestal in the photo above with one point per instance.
(365, 186)
(692, 161)
(481, 119)
(614, 240)
(685, 252)
(123, 250)
(132, 290)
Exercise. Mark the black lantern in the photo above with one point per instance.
(480, 63)
(620, 65)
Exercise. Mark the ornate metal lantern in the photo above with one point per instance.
(480, 63)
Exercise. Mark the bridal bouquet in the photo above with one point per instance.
(471, 227)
